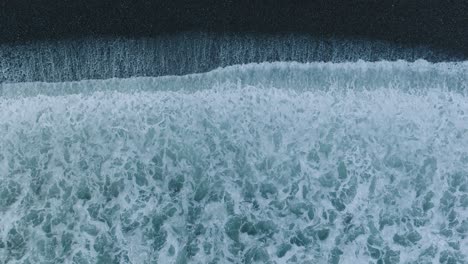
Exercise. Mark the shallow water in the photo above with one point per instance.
(270, 163)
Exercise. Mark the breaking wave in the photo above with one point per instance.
(261, 163)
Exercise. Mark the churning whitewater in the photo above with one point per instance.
(362, 162)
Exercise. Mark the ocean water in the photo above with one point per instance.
(358, 162)
(190, 52)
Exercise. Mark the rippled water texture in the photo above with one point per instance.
(261, 163)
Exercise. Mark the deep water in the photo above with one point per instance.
(357, 162)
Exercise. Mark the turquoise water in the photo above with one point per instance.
(261, 163)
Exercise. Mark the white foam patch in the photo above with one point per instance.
(248, 171)
(418, 76)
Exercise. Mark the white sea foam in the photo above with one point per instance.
(416, 76)
(280, 162)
